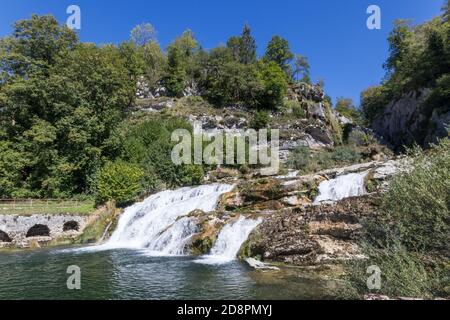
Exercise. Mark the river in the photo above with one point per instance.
(135, 274)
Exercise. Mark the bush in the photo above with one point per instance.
(345, 155)
(260, 120)
(373, 102)
(295, 107)
(419, 201)
(402, 274)
(409, 239)
(119, 181)
(300, 158)
(192, 175)
(275, 85)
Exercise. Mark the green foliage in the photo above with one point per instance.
(274, 85)
(260, 120)
(345, 154)
(419, 58)
(118, 181)
(59, 107)
(148, 144)
(302, 159)
(373, 101)
(155, 63)
(440, 96)
(143, 34)
(278, 51)
(243, 48)
(64, 104)
(409, 239)
(176, 78)
(402, 274)
(302, 68)
(346, 107)
(294, 107)
(418, 206)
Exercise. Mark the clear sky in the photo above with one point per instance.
(331, 33)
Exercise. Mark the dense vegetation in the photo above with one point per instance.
(65, 123)
(419, 59)
(409, 240)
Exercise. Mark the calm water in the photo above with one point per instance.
(128, 274)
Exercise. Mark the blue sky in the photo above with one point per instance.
(331, 33)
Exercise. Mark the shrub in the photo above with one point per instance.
(119, 181)
(419, 201)
(409, 239)
(357, 137)
(345, 154)
(149, 146)
(192, 175)
(300, 158)
(294, 107)
(373, 101)
(260, 120)
(299, 112)
(402, 274)
(274, 83)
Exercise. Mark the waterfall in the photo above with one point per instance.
(160, 223)
(345, 186)
(230, 240)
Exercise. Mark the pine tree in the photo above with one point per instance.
(247, 47)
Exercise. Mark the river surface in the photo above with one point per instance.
(135, 274)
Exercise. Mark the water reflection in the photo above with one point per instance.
(131, 274)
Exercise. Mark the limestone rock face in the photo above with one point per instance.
(407, 120)
(311, 235)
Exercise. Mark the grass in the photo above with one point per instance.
(30, 207)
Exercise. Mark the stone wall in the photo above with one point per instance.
(21, 230)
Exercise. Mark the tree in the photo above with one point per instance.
(155, 63)
(247, 50)
(226, 81)
(60, 105)
(347, 108)
(186, 44)
(279, 52)
(118, 181)
(234, 44)
(302, 67)
(142, 34)
(274, 85)
(243, 48)
(175, 80)
(398, 44)
(446, 10)
(373, 101)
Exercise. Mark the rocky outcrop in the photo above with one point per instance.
(301, 233)
(407, 121)
(311, 235)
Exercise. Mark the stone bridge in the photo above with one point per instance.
(17, 230)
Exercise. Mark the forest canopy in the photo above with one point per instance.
(63, 102)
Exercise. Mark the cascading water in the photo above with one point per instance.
(230, 240)
(345, 186)
(160, 224)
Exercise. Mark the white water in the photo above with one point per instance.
(159, 223)
(345, 186)
(230, 240)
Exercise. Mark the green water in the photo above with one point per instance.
(130, 274)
